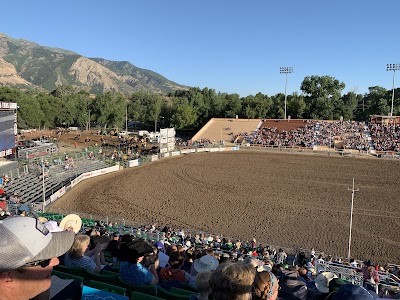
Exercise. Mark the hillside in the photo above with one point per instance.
(27, 64)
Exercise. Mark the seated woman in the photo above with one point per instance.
(76, 257)
(174, 271)
(265, 286)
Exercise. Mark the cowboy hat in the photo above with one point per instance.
(71, 221)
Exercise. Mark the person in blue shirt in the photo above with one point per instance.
(131, 270)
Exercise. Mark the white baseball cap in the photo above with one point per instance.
(24, 240)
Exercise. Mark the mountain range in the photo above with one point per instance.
(26, 64)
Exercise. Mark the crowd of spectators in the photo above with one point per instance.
(385, 137)
(345, 134)
(354, 135)
(217, 268)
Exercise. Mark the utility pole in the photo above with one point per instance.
(351, 214)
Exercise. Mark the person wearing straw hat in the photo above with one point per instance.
(71, 222)
(206, 263)
(27, 257)
(322, 282)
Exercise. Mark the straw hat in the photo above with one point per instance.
(206, 263)
(322, 281)
(71, 221)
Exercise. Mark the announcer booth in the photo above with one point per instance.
(8, 128)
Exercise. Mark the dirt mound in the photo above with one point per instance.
(280, 199)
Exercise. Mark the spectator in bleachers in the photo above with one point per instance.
(232, 281)
(162, 257)
(206, 263)
(174, 272)
(203, 285)
(112, 246)
(131, 269)
(126, 238)
(4, 214)
(352, 292)
(152, 259)
(78, 256)
(322, 282)
(353, 263)
(28, 256)
(189, 255)
(292, 287)
(265, 286)
(281, 257)
(14, 198)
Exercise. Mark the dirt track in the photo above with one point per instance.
(281, 199)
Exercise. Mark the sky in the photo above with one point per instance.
(230, 46)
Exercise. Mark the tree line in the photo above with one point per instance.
(321, 98)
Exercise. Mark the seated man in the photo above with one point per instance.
(27, 257)
(131, 270)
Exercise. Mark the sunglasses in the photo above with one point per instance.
(42, 263)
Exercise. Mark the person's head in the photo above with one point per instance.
(265, 286)
(322, 281)
(176, 260)
(79, 247)
(171, 249)
(203, 282)
(28, 254)
(115, 236)
(134, 251)
(126, 238)
(210, 252)
(254, 262)
(232, 281)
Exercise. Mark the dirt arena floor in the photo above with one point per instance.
(280, 199)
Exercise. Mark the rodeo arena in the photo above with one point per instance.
(245, 209)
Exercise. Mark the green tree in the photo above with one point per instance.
(277, 110)
(153, 105)
(254, 107)
(51, 107)
(296, 106)
(350, 103)
(321, 94)
(30, 114)
(233, 105)
(184, 115)
(109, 110)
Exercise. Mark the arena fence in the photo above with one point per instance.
(346, 273)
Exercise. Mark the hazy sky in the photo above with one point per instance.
(231, 46)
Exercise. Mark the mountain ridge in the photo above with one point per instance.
(28, 64)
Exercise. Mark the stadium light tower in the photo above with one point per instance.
(394, 68)
(286, 71)
(351, 215)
